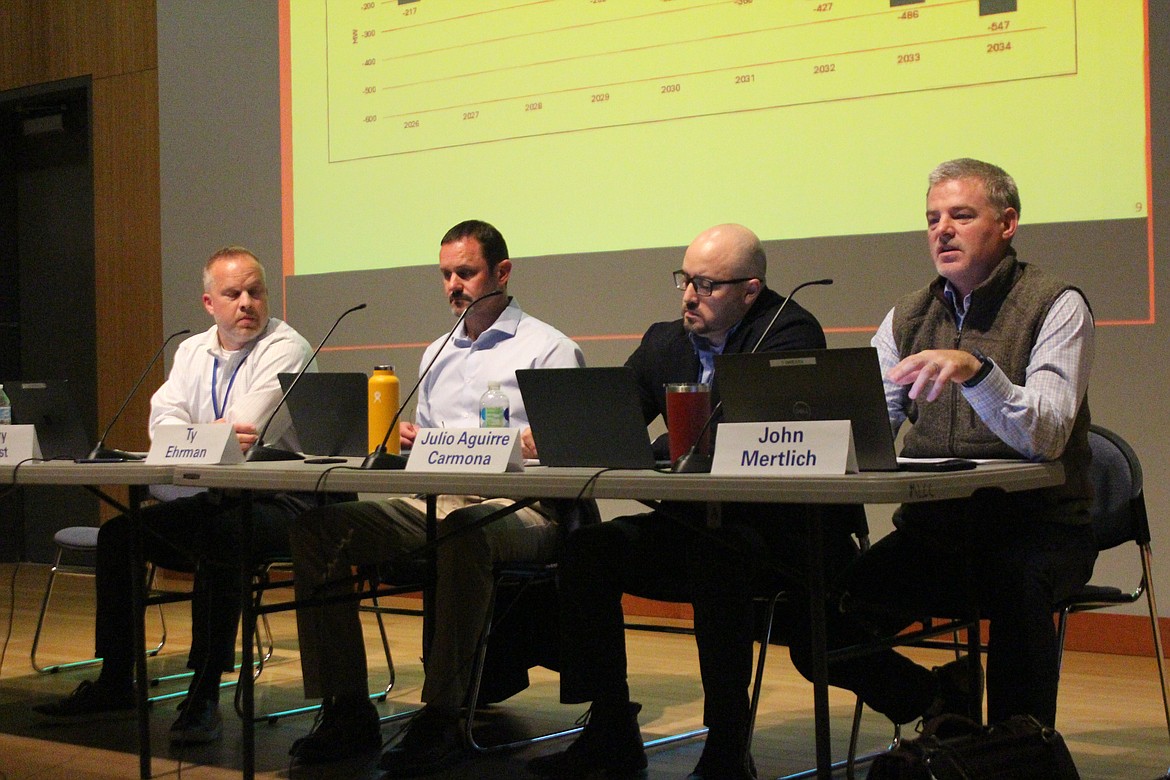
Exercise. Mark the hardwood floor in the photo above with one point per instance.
(1110, 708)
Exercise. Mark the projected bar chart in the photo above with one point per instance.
(406, 77)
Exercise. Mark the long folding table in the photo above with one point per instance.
(812, 492)
(137, 477)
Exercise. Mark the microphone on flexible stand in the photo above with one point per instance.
(261, 451)
(100, 453)
(379, 459)
(695, 462)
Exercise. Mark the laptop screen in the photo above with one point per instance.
(49, 406)
(329, 412)
(587, 417)
(817, 384)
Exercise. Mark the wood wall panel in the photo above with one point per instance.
(127, 246)
(114, 42)
(50, 40)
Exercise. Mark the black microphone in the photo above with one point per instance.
(262, 452)
(695, 462)
(379, 459)
(100, 453)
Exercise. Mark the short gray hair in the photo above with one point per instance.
(999, 186)
(223, 254)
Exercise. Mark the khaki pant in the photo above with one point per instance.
(328, 541)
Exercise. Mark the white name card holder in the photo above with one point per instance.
(19, 443)
(769, 449)
(471, 450)
(207, 444)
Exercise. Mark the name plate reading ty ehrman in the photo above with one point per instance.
(785, 448)
(206, 444)
(19, 443)
(471, 450)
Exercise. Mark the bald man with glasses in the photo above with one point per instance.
(726, 307)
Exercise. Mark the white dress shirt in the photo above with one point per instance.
(449, 394)
(245, 381)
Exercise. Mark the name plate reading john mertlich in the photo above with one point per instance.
(785, 448)
(188, 445)
(474, 450)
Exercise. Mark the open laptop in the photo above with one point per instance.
(329, 412)
(49, 406)
(588, 417)
(816, 384)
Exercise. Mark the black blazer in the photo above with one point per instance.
(667, 356)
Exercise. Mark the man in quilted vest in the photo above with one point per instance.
(990, 360)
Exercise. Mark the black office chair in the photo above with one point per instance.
(76, 546)
(1119, 516)
(517, 590)
(771, 597)
(263, 582)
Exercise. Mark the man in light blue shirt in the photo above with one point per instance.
(990, 360)
(494, 340)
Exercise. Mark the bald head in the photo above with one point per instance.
(733, 249)
(732, 259)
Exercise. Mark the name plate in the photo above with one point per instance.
(473, 450)
(19, 442)
(785, 448)
(207, 444)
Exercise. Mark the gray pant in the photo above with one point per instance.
(328, 541)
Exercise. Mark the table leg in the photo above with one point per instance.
(247, 681)
(428, 593)
(819, 639)
(138, 494)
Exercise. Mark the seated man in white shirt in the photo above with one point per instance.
(495, 339)
(227, 374)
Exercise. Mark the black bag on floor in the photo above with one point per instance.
(952, 747)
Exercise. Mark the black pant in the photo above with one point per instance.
(198, 534)
(1018, 567)
(677, 558)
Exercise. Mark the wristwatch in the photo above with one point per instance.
(984, 369)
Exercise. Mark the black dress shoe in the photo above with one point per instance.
(346, 728)
(431, 744)
(610, 746)
(958, 690)
(724, 767)
(198, 722)
(90, 700)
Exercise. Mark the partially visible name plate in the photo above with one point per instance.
(19, 443)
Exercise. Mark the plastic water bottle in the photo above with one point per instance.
(382, 405)
(494, 408)
(6, 408)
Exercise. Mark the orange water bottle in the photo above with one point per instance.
(383, 403)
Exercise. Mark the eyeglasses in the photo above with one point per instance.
(703, 285)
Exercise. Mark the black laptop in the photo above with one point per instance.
(329, 412)
(587, 417)
(817, 384)
(48, 405)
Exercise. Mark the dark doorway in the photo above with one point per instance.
(47, 306)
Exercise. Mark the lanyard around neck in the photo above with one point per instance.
(215, 405)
